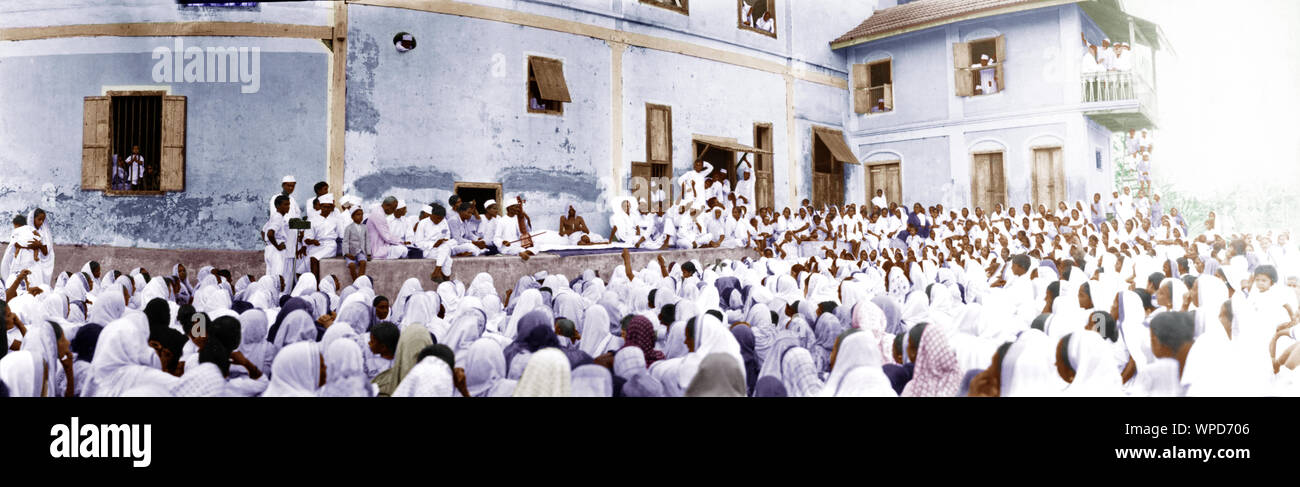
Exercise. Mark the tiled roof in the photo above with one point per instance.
(922, 12)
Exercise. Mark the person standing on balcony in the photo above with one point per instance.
(1090, 64)
(1106, 57)
(1123, 60)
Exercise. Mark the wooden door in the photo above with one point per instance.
(886, 178)
(1048, 177)
(828, 176)
(988, 183)
(763, 192)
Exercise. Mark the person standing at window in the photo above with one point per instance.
(746, 14)
(767, 23)
(988, 83)
(120, 182)
(135, 168)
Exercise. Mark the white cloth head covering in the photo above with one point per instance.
(592, 380)
(1029, 367)
(295, 372)
(123, 360)
(628, 362)
(298, 326)
(21, 373)
(1095, 371)
(546, 375)
(594, 331)
(288, 179)
(857, 371)
(429, 378)
(485, 369)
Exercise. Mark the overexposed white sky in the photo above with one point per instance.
(1229, 101)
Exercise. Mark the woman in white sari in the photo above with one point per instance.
(298, 371)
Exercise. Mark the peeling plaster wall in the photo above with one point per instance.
(454, 110)
(238, 145)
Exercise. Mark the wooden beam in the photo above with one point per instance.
(170, 29)
(338, 99)
(616, 117)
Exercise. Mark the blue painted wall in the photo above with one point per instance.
(921, 74)
(454, 109)
(924, 165)
(1035, 76)
(1037, 107)
(238, 145)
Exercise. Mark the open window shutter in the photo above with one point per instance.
(961, 64)
(173, 154)
(1000, 48)
(660, 142)
(889, 97)
(861, 91)
(1000, 77)
(550, 79)
(94, 143)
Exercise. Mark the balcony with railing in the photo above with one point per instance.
(1119, 100)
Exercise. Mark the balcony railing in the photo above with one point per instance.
(1113, 86)
(1120, 86)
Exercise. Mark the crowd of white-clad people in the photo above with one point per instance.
(1100, 299)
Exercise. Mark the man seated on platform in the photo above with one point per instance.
(434, 238)
(467, 243)
(574, 228)
(510, 239)
(323, 236)
(384, 241)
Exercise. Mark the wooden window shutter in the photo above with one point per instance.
(94, 143)
(861, 88)
(550, 79)
(961, 64)
(658, 134)
(889, 97)
(1000, 47)
(172, 176)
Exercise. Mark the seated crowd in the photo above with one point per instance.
(851, 300)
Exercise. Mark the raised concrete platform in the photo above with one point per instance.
(388, 275)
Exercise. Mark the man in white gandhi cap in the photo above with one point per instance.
(322, 239)
(286, 188)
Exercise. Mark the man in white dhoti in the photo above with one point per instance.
(322, 239)
(574, 228)
(433, 237)
(508, 237)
